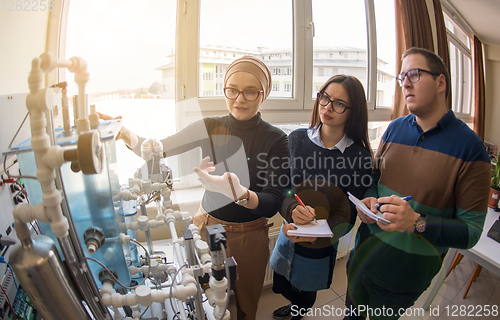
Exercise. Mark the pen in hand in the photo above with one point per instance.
(407, 198)
(302, 204)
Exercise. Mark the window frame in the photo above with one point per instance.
(464, 51)
(275, 109)
(188, 103)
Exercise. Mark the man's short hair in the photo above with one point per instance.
(434, 62)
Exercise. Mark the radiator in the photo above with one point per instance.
(346, 243)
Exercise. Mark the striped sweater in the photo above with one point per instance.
(446, 170)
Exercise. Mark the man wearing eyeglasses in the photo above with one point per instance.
(441, 163)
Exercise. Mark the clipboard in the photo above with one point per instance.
(368, 212)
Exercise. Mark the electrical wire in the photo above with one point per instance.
(153, 197)
(142, 314)
(113, 276)
(14, 177)
(10, 144)
(8, 300)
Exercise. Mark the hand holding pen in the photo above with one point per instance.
(399, 212)
(379, 204)
(311, 214)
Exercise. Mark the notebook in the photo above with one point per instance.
(365, 209)
(312, 229)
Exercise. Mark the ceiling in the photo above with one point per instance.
(483, 16)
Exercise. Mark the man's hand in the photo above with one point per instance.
(399, 212)
(221, 183)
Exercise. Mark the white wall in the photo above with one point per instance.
(492, 75)
(22, 38)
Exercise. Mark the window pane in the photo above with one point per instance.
(129, 50)
(386, 53)
(456, 31)
(228, 30)
(454, 77)
(467, 85)
(339, 43)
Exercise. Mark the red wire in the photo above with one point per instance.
(8, 300)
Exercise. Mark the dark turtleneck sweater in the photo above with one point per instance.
(230, 143)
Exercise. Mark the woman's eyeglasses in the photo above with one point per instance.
(337, 106)
(413, 75)
(249, 95)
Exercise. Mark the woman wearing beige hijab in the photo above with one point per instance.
(256, 154)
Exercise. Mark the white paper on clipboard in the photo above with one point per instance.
(365, 209)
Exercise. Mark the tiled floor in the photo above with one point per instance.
(484, 294)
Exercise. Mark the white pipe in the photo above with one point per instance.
(118, 314)
(144, 224)
(37, 104)
(219, 298)
(177, 247)
(181, 310)
(145, 296)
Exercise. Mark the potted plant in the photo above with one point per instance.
(495, 186)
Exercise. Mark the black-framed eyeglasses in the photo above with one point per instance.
(337, 105)
(249, 95)
(413, 75)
